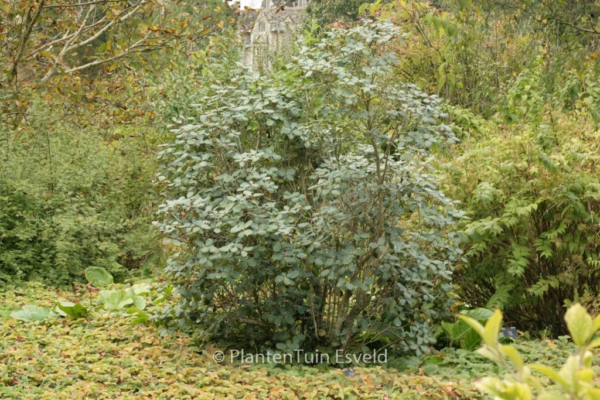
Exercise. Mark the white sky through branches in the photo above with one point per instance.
(251, 3)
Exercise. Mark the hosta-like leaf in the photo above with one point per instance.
(473, 323)
(32, 313)
(98, 276)
(139, 302)
(471, 340)
(141, 288)
(460, 329)
(141, 317)
(479, 314)
(115, 299)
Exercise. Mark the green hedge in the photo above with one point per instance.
(69, 200)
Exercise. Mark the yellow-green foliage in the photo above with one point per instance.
(105, 357)
(572, 382)
(470, 51)
(532, 193)
(72, 200)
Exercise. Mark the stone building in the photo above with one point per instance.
(270, 30)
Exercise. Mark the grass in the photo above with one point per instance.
(105, 357)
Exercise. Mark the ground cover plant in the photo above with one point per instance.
(104, 356)
(574, 380)
(108, 354)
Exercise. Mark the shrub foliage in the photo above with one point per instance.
(69, 202)
(533, 195)
(575, 380)
(304, 207)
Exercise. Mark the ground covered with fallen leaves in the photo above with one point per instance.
(105, 357)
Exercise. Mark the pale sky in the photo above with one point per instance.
(250, 3)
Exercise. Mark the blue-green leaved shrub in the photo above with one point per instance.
(302, 207)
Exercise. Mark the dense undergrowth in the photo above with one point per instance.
(72, 201)
(103, 356)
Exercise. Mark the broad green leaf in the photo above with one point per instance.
(460, 329)
(141, 288)
(452, 80)
(32, 313)
(593, 393)
(580, 324)
(518, 391)
(72, 310)
(596, 323)
(473, 323)
(115, 299)
(492, 327)
(432, 360)
(514, 356)
(138, 301)
(550, 373)
(98, 276)
(480, 314)
(448, 328)
(441, 82)
(570, 371)
(587, 359)
(141, 317)
(586, 375)
(471, 340)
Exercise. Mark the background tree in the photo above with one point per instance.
(326, 12)
(80, 87)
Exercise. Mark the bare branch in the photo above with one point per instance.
(70, 44)
(29, 22)
(119, 18)
(136, 47)
(62, 39)
(592, 30)
(65, 49)
(91, 3)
